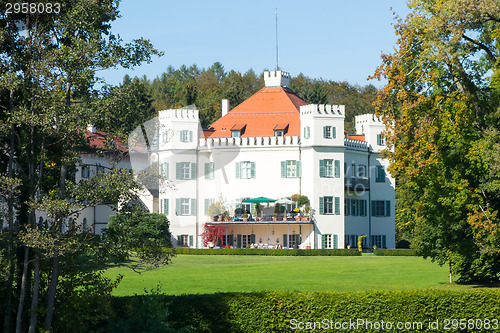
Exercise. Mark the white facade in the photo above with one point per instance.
(345, 180)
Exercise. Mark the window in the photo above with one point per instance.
(278, 133)
(380, 140)
(186, 136)
(209, 170)
(185, 240)
(164, 206)
(235, 134)
(307, 132)
(185, 206)
(329, 205)
(379, 240)
(185, 170)
(355, 207)
(245, 170)
(165, 137)
(246, 240)
(329, 168)
(164, 170)
(380, 176)
(381, 208)
(85, 171)
(353, 170)
(329, 132)
(227, 240)
(290, 169)
(84, 226)
(208, 202)
(362, 170)
(329, 241)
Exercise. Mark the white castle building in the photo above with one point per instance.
(275, 145)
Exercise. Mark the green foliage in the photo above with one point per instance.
(302, 200)
(270, 252)
(147, 234)
(395, 252)
(403, 244)
(272, 311)
(443, 117)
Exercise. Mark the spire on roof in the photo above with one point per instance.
(276, 79)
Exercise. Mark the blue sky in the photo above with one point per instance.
(335, 40)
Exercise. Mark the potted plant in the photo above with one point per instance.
(245, 217)
(307, 213)
(217, 209)
(275, 217)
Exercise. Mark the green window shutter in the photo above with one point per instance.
(238, 241)
(177, 206)
(193, 170)
(347, 207)
(299, 169)
(384, 241)
(161, 206)
(334, 132)
(178, 170)
(387, 208)
(324, 131)
(230, 240)
(335, 241)
(380, 174)
(297, 240)
(238, 170)
(322, 168)
(252, 170)
(322, 205)
(374, 208)
(165, 206)
(193, 206)
(337, 205)
(180, 137)
(323, 241)
(207, 204)
(178, 240)
(166, 171)
(285, 240)
(207, 170)
(373, 240)
(378, 139)
(365, 211)
(190, 240)
(252, 239)
(190, 136)
(337, 169)
(283, 169)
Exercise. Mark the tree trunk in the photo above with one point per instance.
(22, 294)
(52, 294)
(36, 290)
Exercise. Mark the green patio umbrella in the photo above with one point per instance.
(259, 200)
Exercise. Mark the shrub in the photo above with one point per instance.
(395, 252)
(270, 252)
(272, 311)
(403, 244)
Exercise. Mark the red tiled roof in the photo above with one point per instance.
(97, 140)
(261, 113)
(360, 137)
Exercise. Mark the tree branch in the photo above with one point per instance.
(481, 46)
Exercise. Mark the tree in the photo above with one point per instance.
(212, 234)
(442, 110)
(47, 77)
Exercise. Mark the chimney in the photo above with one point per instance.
(91, 128)
(225, 107)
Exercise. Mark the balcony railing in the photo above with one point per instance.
(357, 184)
(264, 219)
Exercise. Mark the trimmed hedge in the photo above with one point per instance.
(270, 252)
(395, 252)
(273, 311)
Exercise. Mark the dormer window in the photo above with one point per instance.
(280, 129)
(238, 130)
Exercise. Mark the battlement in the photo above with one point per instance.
(276, 79)
(257, 141)
(323, 110)
(369, 119)
(179, 114)
(355, 144)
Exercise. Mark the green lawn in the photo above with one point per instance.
(193, 274)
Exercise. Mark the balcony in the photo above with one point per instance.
(357, 184)
(291, 219)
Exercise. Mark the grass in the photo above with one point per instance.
(192, 274)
